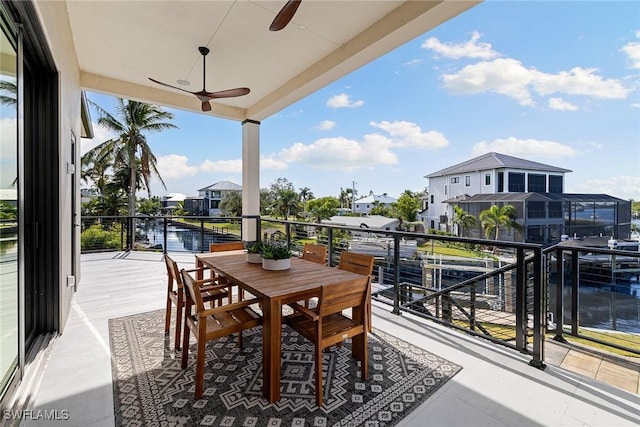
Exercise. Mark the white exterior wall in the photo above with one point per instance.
(54, 19)
(476, 186)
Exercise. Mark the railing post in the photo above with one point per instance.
(396, 274)
(330, 243)
(575, 277)
(201, 235)
(521, 301)
(559, 309)
(539, 311)
(165, 239)
(287, 227)
(472, 307)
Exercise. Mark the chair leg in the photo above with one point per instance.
(179, 321)
(365, 357)
(200, 369)
(185, 345)
(318, 377)
(167, 322)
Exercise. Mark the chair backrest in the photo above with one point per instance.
(338, 297)
(192, 289)
(356, 263)
(173, 272)
(226, 246)
(315, 253)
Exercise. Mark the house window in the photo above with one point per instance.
(537, 183)
(467, 181)
(455, 180)
(487, 179)
(432, 199)
(516, 182)
(445, 190)
(555, 184)
(500, 182)
(535, 210)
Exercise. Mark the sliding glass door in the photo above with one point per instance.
(9, 226)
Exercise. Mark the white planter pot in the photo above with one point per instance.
(276, 264)
(254, 258)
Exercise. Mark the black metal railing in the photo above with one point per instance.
(508, 293)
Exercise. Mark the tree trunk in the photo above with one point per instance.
(132, 195)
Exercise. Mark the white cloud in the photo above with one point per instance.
(504, 76)
(579, 81)
(509, 77)
(636, 105)
(175, 166)
(342, 101)
(341, 153)
(272, 163)
(221, 166)
(632, 50)
(413, 62)
(469, 49)
(408, 134)
(326, 125)
(526, 148)
(624, 187)
(561, 104)
(100, 135)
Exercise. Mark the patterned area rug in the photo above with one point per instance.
(150, 388)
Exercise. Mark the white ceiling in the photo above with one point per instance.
(120, 44)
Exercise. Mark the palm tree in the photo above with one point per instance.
(11, 89)
(498, 216)
(463, 219)
(132, 120)
(305, 195)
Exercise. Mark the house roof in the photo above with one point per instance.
(542, 197)
(495, 161)
(175, 197)
(222, 186)
(377, 198)
(371, 221)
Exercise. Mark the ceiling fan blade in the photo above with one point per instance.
(173, 87)
(285, 15)
(230, 93)
(206, 106)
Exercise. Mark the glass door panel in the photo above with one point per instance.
(8, 212)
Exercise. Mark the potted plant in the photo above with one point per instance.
(254, 252)
(275, 256)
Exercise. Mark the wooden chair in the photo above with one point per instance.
(315, 253)
(360, 264)
(175, 295)
(209, 324)
(326, 325)
(226, 246)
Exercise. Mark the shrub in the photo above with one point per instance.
(96, 237)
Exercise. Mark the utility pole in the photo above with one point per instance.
(353, 197)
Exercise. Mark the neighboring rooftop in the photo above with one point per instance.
(495, 161)
(222, 186)
(381, 198)
(371, 221)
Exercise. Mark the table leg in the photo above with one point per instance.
(271, 350)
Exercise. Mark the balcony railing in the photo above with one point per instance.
(505, 292)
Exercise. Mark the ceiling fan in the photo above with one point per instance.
(203, 95)
(285, 15)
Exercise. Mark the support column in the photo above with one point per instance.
(250, 180)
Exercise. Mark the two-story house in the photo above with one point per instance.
(209, 197)
(536, 190)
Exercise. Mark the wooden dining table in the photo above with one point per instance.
(275, 288)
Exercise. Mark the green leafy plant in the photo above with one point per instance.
(255, 247)
(272, 250)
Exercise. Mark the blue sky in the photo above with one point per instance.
(553, 82)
